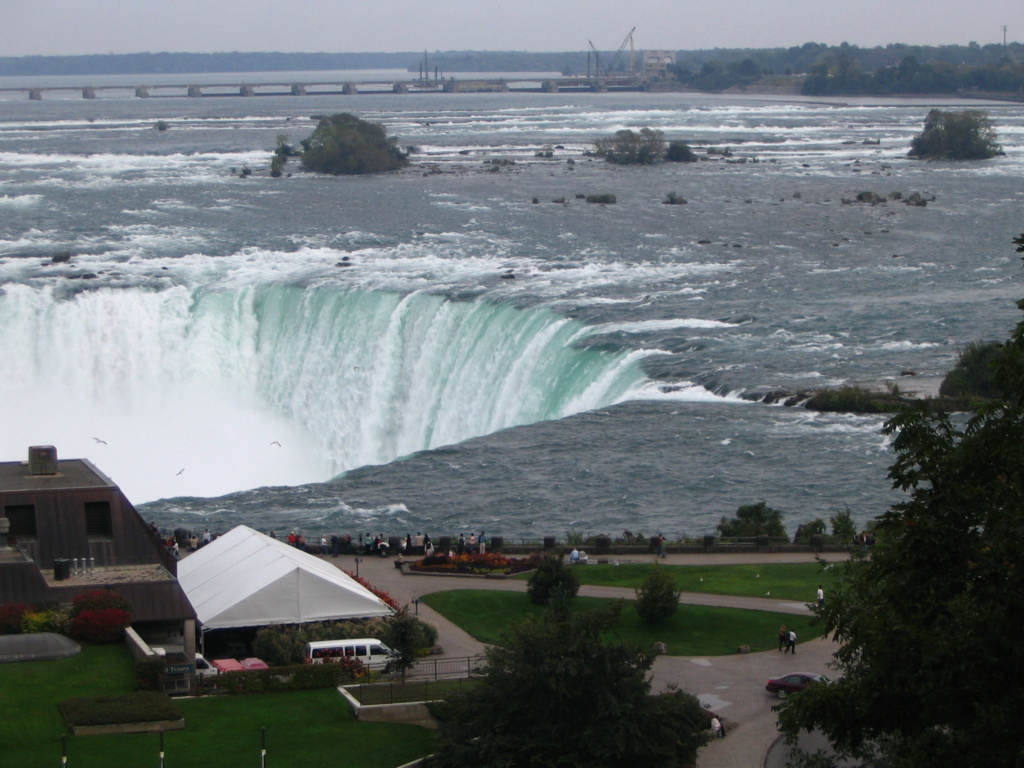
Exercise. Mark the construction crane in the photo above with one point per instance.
(627, 39)
(607, 71)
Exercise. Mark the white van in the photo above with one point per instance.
(372, 652)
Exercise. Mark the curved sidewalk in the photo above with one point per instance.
(733, 686)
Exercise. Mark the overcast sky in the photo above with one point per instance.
(48, 27)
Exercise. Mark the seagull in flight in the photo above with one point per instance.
(274, 442)
(100, 441)
(180, 471)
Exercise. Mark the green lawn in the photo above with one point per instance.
(305, 729)
(786, 581)
(693, 631)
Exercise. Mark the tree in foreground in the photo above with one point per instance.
(753, 520)
(555, 695)
(343, 144)
(406, 636)
(929, 626)
(657, 599)
(965, 135)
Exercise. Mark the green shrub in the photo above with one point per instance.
(553, 575)
(657, 599)
(605, 197)
(853, 399)
(140, 707)
(680, 152)
(806, 530)
(55, 620)
(753, 520)
(843, 527)
(674, 198)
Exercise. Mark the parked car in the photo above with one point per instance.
(784, 685)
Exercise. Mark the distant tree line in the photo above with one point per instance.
(844, 69)
(842, 74)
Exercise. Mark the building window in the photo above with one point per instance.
(97, 519)
(23, 519)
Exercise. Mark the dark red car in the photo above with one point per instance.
(792, 683)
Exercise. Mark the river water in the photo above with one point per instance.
(434, 350)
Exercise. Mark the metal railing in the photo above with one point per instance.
(437, 669)
(409, 692)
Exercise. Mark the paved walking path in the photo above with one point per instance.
(733, 686)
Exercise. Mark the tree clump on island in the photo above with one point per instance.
(556, 693)
(343, 144)
(974, 372)
(965, 135)
(629, 147)
(928, 625)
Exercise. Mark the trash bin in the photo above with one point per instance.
(61, 569)
(709, 542)
(496, 544)
(549, 542)
(762, 541)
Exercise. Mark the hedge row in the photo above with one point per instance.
(143, 707)
(294, 678)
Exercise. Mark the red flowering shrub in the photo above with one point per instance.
(378, 592)
(11, 615)
(103, 626)
(489, 562)
(100, 599)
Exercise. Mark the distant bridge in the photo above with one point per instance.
(347, 87)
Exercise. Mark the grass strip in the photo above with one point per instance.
(305, 729)
(784, 581)
(692, 631)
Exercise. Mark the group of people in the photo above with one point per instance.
(180, 538)
(577, 557)
(787, 640)
(471, 545)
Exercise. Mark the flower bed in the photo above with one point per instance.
(475, 564)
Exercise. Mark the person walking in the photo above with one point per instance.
(791, 643)
(783, 637)
(821, 597)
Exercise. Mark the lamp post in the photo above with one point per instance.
(416, 605)
(358, 560)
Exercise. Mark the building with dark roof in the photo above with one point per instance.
(71, 530)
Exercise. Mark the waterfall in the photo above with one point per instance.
(202, 391)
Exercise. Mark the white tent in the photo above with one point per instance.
(247, 579)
